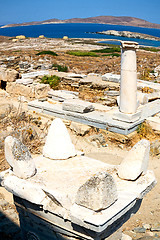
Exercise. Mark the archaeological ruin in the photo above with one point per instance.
(63, 194)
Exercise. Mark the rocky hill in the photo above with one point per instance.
(127, 21)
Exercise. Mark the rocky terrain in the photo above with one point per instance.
(19, 57)
(127, 21)
(129, 35)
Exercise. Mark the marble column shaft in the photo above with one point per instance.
(128, 86)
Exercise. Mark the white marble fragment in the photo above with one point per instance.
(154, 123)
(136, 161)
(98, 193)
(24, 189)
(111, 77)
(142, 98)
(34, 74)
(78, 105)
(58, 143)
(76, 75)
(60, 95)
(19, 158)
(25, 81)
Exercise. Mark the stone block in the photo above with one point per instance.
(15, 89)
(136, 161)
(19, 158)
(112, 93)
(79, 128)
(24, 81)
(24, 189)
(76, 75)
(98, 193)
(8, 75)
(154, 122)
(58, 143)
(77, 106)
(34, 74)
(41, 90)
(129, 118)
(31, 91)
(142, 98)
(111, 77)
(61, 95)
(154, 95)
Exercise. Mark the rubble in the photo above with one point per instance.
(81, 191)
(8, 75)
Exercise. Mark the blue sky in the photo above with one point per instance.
(18, 11)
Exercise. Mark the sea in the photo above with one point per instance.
(82, 30)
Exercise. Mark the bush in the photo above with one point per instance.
(108, 50)
(47, 52)
(82, 54)
(52, 80)
(112, 54)
(60, 68)
(150, 49)
(144, 130)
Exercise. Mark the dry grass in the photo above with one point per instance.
(28, 129)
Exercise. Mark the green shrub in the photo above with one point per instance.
(52, 80)
(112, 54)
(108, 50)
(144, 130)
(150, 49)
(82, 54)
(47, 52)
(60, 68)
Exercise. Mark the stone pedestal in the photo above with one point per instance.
(129, 118)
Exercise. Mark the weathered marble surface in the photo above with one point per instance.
(78, 106)
(19, 158)
(136, 161)
(58, 143)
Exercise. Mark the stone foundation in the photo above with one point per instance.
(31, 91)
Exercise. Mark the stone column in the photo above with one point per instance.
(128, 85)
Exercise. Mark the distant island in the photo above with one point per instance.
(126, 21)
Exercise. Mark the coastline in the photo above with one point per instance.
(85, 30)
(129, 34)
(66, 22)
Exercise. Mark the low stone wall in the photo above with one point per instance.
(8, 75)
(31, 91)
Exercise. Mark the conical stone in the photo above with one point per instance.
(58, 143)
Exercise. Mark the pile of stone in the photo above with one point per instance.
(24, 86)
(79, 197)
(8, 75)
